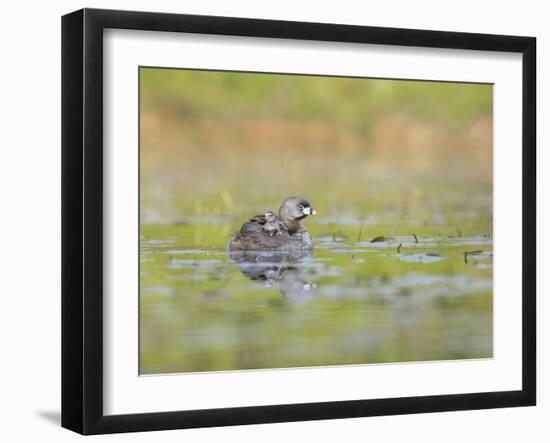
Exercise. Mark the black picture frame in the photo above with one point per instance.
(82, 220)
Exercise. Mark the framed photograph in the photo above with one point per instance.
(268, 221)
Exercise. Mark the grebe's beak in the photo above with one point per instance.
(309, 211)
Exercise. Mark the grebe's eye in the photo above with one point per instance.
(300, 206)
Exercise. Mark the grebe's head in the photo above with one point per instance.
(295, 209)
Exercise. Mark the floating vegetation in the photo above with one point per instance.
(433, 254)
(477, 254)
(379, 239)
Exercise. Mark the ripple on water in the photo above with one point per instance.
(176, 263)
(193, 252)
(420, 257)
(469, 241)
(349, 251)
(157, 242)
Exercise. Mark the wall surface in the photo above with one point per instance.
(30, 190)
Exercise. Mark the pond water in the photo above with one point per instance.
(368, 293)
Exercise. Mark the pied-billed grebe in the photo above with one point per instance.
(293, 235)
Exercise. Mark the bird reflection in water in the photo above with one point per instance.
(285, 269)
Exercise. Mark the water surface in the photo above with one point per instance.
(416, 297)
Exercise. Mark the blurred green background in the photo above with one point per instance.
(375, 158)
